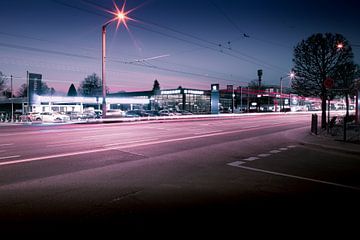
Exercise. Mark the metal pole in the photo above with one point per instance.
(12, 101)
(103, 71)
(233, 95)
(328, 125)
(357, 106)
(241, 103)
(247, 102)
(281, 105)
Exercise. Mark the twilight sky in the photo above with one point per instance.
(191, 43)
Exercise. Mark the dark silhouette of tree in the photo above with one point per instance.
(72, 91)
(22, 92)
(2, 81)
(317, 58)
(52, 91)
(345, 82)
(156, 87)
(43, 88)
(91, 86)
(7, 93)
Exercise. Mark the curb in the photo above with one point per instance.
(332, 147)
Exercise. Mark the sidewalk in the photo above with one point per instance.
(326, 141)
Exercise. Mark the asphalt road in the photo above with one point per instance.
(174, 174)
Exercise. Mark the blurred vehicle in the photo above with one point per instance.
(52, 117)
(132, 113)
(152, 113)
(76, 115)
(115, 113)
(138, 112)
(165, 113)
(184, 112)
(29, 117)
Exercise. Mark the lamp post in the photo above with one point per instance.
(291, 75)
(103, 60)
(12, 100)
(121, 17)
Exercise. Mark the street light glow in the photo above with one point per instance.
(340, 46)
(120, 15)
(292, 75)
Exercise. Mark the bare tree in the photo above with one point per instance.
(318, 59)
(91, 86)
(2, 82)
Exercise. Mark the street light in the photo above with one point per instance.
(291, 75)
(12, 100)
(120, 17)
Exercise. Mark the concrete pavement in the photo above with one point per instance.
(326, 141)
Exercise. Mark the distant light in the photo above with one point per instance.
(121, 16)
(292, 75)
(340, 46)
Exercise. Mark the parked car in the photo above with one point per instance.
(52, 117)
(29, 117)
(115, 113)
(165, 113)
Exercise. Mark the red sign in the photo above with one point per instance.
(328, 83)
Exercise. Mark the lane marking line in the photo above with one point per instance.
(251, 158)
(235, 164)
(264, 155)
(15, 156)
(130, 142)
(6, 144)
(291, 146)
(297, 177)
(274, 151)
(132, 145)
(283, 149)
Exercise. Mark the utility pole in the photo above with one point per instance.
(233, 100)
(241, 103)
(12, 100)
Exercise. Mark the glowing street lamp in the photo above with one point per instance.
(340, 46)
(291, 75)
(121, 16)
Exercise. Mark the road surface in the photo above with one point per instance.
(189, 173)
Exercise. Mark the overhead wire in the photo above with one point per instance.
(245, 57)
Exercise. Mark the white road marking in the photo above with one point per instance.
(130, 146)
(296, 177)
(274, 151)
(236, 164)
(264, 155)
(283, 149)
(133, 153)
(251, 158)
(6, 144)
(291, 146)
(130, 142)
(15, 156)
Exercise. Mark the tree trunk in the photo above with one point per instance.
(323, 112)
(347, 105)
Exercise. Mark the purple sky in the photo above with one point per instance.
(200, 41)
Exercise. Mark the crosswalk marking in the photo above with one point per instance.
(251, 158)
(264, 155)
(274, 151)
